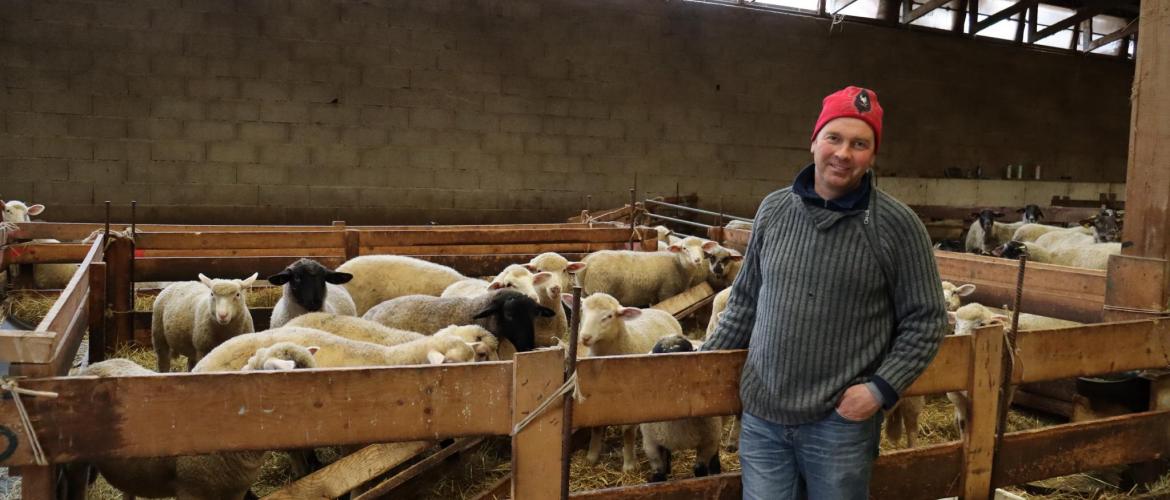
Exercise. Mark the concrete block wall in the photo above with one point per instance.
(476, 111)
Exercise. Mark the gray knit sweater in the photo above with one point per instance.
(814, 309)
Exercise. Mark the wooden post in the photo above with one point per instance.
(353, 241)
(536, 450)
(39, 483)
(120, 300)
(97, 311)
(983, 415)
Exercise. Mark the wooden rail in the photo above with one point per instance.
(1049, 290)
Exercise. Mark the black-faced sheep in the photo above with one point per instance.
(307, 286)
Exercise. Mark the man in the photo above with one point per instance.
(839, 306)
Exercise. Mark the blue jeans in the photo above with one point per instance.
(830, 459)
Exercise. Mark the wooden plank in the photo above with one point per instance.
(1129, 29)
(239, 239)
(718, 487)
(1043, 403)
(284, 410)
(351, 471)
(1078, 351)
(613, 214)
(464, 227)
(685, 300)
(1147, 184)
(67, 231)
(245, 252)
(120, 297)
(536, 449)
(1057, 291)
(1052, 214)
(983, 417)
(97, 309)
(1069, 448)
(23, 346)
(1014, 9)
(45, 253)
(1136, 284)
(923, 10)
(188, 268)
(533, 248)
(925, 473)
(385, 487)
(499, 490)
(421, 237)
(39, 483)
(701, 384)
(949, 371)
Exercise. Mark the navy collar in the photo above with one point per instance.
(858, 199)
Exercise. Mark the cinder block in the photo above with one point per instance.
(204, 194)
(381, 197)
(545, 144)
(209, 131)
(525, 124)
(386, 157)
(41, 124)
(457, 139)
(284, 154)
(175, 65)
(16, 146)
(70, 103)
(481, 122)
(266, 51)
(474, 199)
(153, 42)
(221, 6)
(212, 47)
(315, 134)
(176, 21)
(265, 90)
(122, 150)
(153, 86)
(22, 169)
(563, 125)
(64, 193)
(217, 88)
(333, 196)
(209, 173)
(384, 75)
(283, 195)
(233, 111)
(263, 132)
(34, 79)
(121, 16)
(316, 92)
(101, 82)
(232, 152)
(121, 106)
(233, 68)
(261, 174)
(503, 142)
(170, 107)
(430, 198)
(431, 118)
(122, 194)
(320, 52)
(363, 137)
(561, 164)
(296, 28)
(15, 100)
(512, 104)
(61, 147)
(98, 172)
(520, 162)
(385, 117)
(335, 155)
(233, 23)
(289, 112)
(587, 109)
(411, 137)
(431, 160)
(109, 128)
(176, 151)
(361, 177)
(475, 160)
(334, 114)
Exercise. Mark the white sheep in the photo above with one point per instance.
(952, 295)
(515, 276)
(550, 331)
(660, 439)
(724, 264)
(307, 286)
(354, 328)
(645, 278)
(335, 351)
(191, 318)
(560, 267)
(45, 276)
(208, 476)
(717, 307)
(1085, 256)
(739, 224)
(469, 287)
(608, 329)
(378, 278)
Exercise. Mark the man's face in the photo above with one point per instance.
(843, 153)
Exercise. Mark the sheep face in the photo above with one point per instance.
(306, 280)
(282, 356)
(513, 312)
(952, 294)
(226, 300)
(485, 345)
(1031, 214)
(1106, 225)
(521, 279)
(720, 258)
(689, 251)
(17, 211)
(559, 266)
(973, 316)
(987, 222)
(673, 343)
(603, 318)
(448, 349)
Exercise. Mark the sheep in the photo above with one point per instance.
(335, 351)
(663, 237)
(717, 307)
(516, 276)
(645, 278)
(309, 286)
(45, 276)
(608, 329)
(1030, 214)
(952, 295)
(378, 278)
(902, 419)
(550, 331)
(354, 328)
(560, 267)
(191, 318)
(981, 237)
(469, 287)
(508, 314)
(211, 476)
(660, 439)
(739, 224)
(724, 265)
(1030, 232)
(1086, 256)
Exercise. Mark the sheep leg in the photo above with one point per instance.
(629, 456)
(659, 460)
(161, 349)
(732, 443)
(596, 436)
(707, 458)
(910, 423)
(959, 399)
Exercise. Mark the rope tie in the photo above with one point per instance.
(570, 385)
(11, 386)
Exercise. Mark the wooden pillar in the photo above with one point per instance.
(536, 450)
(983, 415)
(120, 295)
(38, 483)
(1143, 286)
(97, 311)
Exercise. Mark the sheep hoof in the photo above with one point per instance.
(731, 447)
(593, 458)
(656, 477)
(628, 468)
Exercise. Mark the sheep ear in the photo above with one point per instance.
(495, 285)
(629, 312)
(491, 309)
(531, 268)
(965, 290)
(338, 278)
(567, 298)
(247, 282)
(435, 358)
(280, 278)
(280, 364)
(36, 209)
(710, 246)
(205, 280)
(675, 248)
(735, 258)
(540, 278)
(313, 349)
(574, 267)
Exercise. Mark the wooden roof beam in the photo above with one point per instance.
(923, 10)
(1129, 29)
(1065, 23)
(1003, 14)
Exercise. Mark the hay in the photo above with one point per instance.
(257, 296)
(30, 306)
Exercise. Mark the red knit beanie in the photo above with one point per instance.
(852, 102)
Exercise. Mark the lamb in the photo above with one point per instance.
(335, 351)
(717, 307)
(213, 476)
(516, 276)
(550, 331)
(45, 276)
(663, 237)
(560, 267)
(660, 439)
(645, 278)
(191, 318)
(309, 286)
(608, 329)
(378, 278)
(952, 295)
(739, 224)
(507, 314)
(724, 265)
(469, 287)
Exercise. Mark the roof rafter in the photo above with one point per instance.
(1129, 29)
(1003, 14)
(923, 10)
(1065, 23)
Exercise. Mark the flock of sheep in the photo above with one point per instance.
(1088, 245)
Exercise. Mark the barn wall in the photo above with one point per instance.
(306, 111)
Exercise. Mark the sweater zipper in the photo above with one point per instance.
(866, 220)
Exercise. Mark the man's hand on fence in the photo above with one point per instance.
(858, 403)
